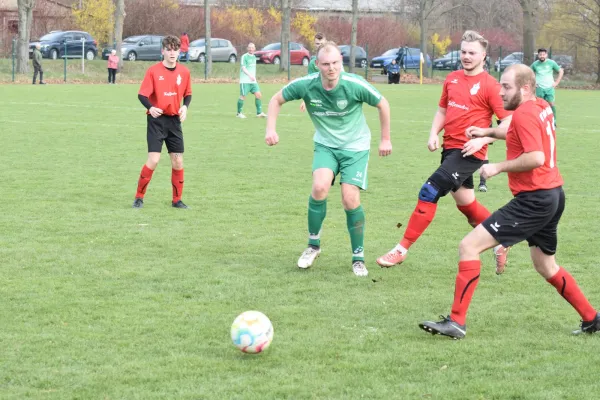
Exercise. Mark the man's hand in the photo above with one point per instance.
(489, 170)
(302, 107)
(385, 148)
(182, 113)
(476, 132)
(155, 112)
(271, 138)
(472, 146)
(434, 143)
(253, 78)
(554, 84)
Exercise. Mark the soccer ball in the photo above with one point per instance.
(252, 332)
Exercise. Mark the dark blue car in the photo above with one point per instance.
(411, 60)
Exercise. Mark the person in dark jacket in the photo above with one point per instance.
(37, 64)
(393, 71)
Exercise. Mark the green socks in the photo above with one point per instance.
(356, 228)
(258, 103)
(240, 105)
(317, 209)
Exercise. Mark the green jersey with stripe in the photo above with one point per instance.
(312, 66)
(544, 73)
(336, 114)
(249, 61)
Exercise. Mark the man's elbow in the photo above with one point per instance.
(538, 159)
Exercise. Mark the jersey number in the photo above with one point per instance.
(550, 133)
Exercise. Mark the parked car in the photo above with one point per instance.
(412, 59)
(511, 59)
(220, 49)
(271, 54)
(54, 44)
(387, 57)
(140, 47)
(565, 62)
(449, 61)
(360, 59)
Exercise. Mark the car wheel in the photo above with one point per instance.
(276, 60)
(305, 61)
(131, 56)
(54, 54)
(232, 58)
(202, 58)
(363, 64)
(89, 55)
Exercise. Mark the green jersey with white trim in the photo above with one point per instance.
(312, 66)
(249, 61)
(544, 73)
(336, 114)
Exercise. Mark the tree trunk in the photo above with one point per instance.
(352, 60)
(423, 24)
(529, 27)
(207, 38)
(119, 20)
(598, 68)
(25, 12)
(285, 35)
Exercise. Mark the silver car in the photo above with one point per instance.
(221, 50)
(142, 47)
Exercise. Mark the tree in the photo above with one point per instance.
(95, 17)
(25, 11)
(530, 11)
(286, 9)
(207, 38)
(352, 60)
(119, 21)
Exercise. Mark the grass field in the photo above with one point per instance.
(100, 301)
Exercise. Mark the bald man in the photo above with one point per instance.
(532, 215)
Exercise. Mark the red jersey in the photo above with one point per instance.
(469, 101)
(532, 129)
(165, 88)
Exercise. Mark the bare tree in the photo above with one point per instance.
(530, 12)
(286, 10)
(119, 21)
(352, 60)
(207, 38)
(25, 10)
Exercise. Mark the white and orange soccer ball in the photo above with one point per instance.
(252, 332)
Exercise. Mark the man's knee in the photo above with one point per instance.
(258, 95)
(436, 186)
(242, 98)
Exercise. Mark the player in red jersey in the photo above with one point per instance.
(164, 87)
(469, 99)
(532, 214)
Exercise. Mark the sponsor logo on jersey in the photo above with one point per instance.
(455, 105)
(455, 80)
(161, 78)
(169, 94)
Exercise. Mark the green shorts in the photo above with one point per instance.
(352, 165)
(546, 94)
(246, 88)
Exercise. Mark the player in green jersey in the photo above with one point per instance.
(312, 66)
(342, 141)
(544, 77)
(248, 83)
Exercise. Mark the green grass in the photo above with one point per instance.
(100, 301)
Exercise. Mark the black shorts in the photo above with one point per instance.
(455, 171)
(164, 129)
(531, 216)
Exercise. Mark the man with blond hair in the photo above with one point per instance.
(342, 141)
(248, 83)
(534, 212)
(469, 100)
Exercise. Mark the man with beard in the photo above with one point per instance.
(534, 212)
(334, 101)
(544, 69)
(469, 100)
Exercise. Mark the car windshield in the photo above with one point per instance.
(198, 43)
(51, 36)
(272, 46)
(132, 39)
(452, 54)
(391, 52)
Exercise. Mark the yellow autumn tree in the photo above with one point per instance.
(275, 14)
(95, 17)
(440, 45)
(248, 21)
(304, 24)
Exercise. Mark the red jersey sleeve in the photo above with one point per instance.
(444, 99)
(529, 130)
(188, 88)
(495, 101)
(147, 87)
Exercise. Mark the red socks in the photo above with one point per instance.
(475, 213)
(567, 287)
(177, 182)
(418, 222)
(466, 282)
(143, 182)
